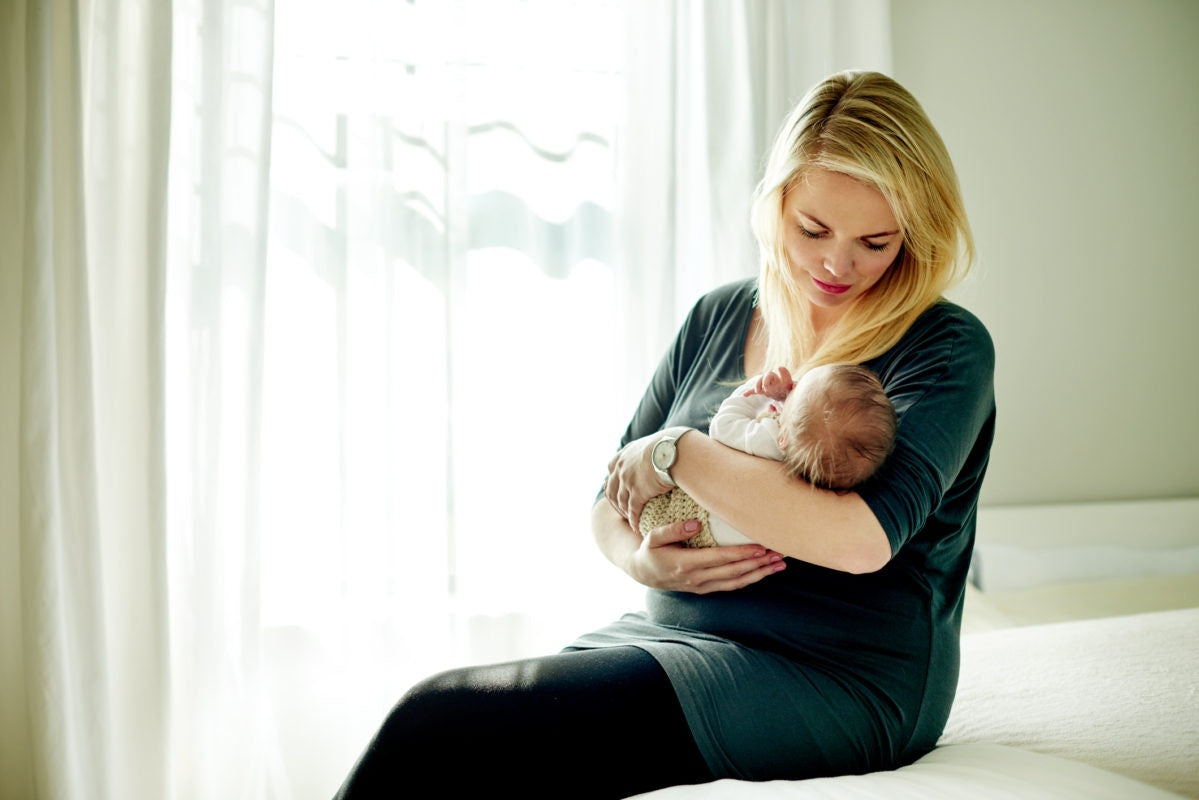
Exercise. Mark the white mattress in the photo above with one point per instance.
(1119, 693)
(953, 772)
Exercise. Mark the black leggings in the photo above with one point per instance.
(587, 724)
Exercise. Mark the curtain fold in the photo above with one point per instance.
(214, 279)
(16, 750)
(64, 644)
(125, 48)
(84, 244)
(63, 639)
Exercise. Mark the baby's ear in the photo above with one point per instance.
(782, 441)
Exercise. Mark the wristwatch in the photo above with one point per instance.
(666, 452)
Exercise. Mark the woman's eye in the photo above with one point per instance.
(811, 234)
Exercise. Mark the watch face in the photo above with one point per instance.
(664, 454)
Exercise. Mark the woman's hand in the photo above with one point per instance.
(661, 562)
(632, 479)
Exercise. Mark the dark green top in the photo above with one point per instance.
(814, 671)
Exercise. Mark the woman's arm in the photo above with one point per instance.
(659, 562)
(757, 497)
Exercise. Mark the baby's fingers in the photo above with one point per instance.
(787, 383)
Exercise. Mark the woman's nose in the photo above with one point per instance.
(838, 261)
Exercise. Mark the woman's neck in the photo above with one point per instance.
(821, 321)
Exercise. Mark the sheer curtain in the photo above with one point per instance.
(320, 321)
(389, 365)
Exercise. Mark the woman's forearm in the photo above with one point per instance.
(757, 497)
(616, 540)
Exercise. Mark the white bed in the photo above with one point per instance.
(1080, 666)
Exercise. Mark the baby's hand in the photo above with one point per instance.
(776, 384)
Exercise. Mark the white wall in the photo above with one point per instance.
(1074, 125)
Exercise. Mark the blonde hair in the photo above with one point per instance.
(864, 125)
(839, 428)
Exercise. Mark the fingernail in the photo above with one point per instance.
(691, 526)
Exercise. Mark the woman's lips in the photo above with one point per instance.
(832, 288)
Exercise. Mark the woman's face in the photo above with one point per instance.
(840, 237)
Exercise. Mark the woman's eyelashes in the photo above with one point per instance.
(875, 246)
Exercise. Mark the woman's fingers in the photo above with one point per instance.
(632, 481)
(704, 570)
(673, 533)
(740, 581)
(738, 573)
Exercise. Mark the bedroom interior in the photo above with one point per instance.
(1072, 125)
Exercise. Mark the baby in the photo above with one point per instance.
(832, 428)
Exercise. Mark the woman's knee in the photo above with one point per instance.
(430, 703)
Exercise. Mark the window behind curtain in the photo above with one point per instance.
(438, 400)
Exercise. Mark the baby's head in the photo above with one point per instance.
(837, 426)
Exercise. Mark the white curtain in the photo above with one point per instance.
(386, 314)
(319, 323)
(85, 109)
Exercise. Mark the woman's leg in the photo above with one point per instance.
(587, 723)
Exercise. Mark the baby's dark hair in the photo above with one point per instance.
(840, 429)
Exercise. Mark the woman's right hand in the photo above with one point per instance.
(662, 562)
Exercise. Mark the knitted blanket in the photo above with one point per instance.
(675, 506)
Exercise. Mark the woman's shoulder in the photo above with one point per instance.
(945, 337)
(954, 326)
(724, 309)
(734, 294)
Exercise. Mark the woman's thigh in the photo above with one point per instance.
(586, 723)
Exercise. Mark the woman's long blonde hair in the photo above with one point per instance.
(864, 125)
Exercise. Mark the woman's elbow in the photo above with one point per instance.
(863, 564)
(862, 545)
(870, 554)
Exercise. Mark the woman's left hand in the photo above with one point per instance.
(632, 479)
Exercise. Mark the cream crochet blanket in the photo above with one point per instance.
(675, 506)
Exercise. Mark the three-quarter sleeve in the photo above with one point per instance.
(940, 377)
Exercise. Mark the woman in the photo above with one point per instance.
(831, 647)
